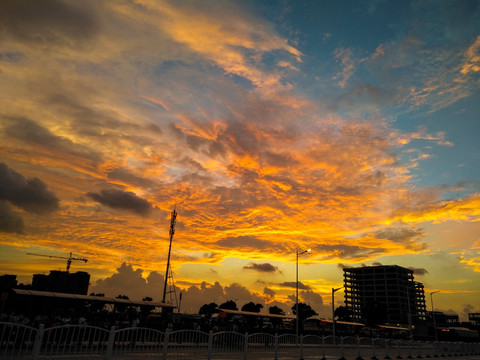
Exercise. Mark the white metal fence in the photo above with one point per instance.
(82, 341)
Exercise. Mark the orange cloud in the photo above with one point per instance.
(472, 58)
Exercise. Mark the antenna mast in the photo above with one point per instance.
(168, 272)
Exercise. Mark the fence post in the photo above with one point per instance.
(165, 344)
(387, 356)
(111, 341)
(301, 347)
(359, 357)
(323, 347)
(210, 345)
(245, 347)
(409, 356)
(276, 346)
(374, 356)
(342, 357)
(38, 342)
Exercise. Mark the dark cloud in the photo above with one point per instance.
(293, 284)
(265, 267)
(216, 148)
(126, 176)
(29, 131)
(245, 242)
(399, 234)
(10, 222)
(312, 298)
(88, 121)
(48, 21)
(408, 237)
(365, 95)
(118, 199)
(29, 194)
(242, 139)
(278, 160)
(348, 252)
(213, 148)
(418, 271)
(269, 292)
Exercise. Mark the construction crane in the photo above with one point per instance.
(69, 259)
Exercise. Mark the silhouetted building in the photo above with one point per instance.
(383, 294)
(62, 282)
(8, 282)
(474, 319)
(442, 319)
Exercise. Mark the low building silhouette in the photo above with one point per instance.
(474, 319)
(62, 282)
(7, 282)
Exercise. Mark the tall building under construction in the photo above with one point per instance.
(385, 294)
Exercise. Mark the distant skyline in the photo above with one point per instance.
(347, 127)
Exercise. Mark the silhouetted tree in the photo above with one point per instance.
(343, 313)
(304, 312)
(275, 310)
(208, 310)
(252, 307)
(146, 310)
(253, 322)
(229, 305)
(119, 306)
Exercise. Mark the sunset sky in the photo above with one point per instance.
(348, 127)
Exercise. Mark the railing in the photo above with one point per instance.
(81, 341)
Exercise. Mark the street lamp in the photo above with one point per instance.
(333, 312)
(433, 315)
(296, 306)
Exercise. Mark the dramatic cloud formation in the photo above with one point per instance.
(270, 293)
(117, 199)
(53, 21)
(270, 127)
(291, 284)
(9, 221)
(130, 282)
(29, 194)
(419, 271)
(265, 267)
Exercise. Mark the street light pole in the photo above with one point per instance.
(333, 312)
(433, 315)
(296, 296)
